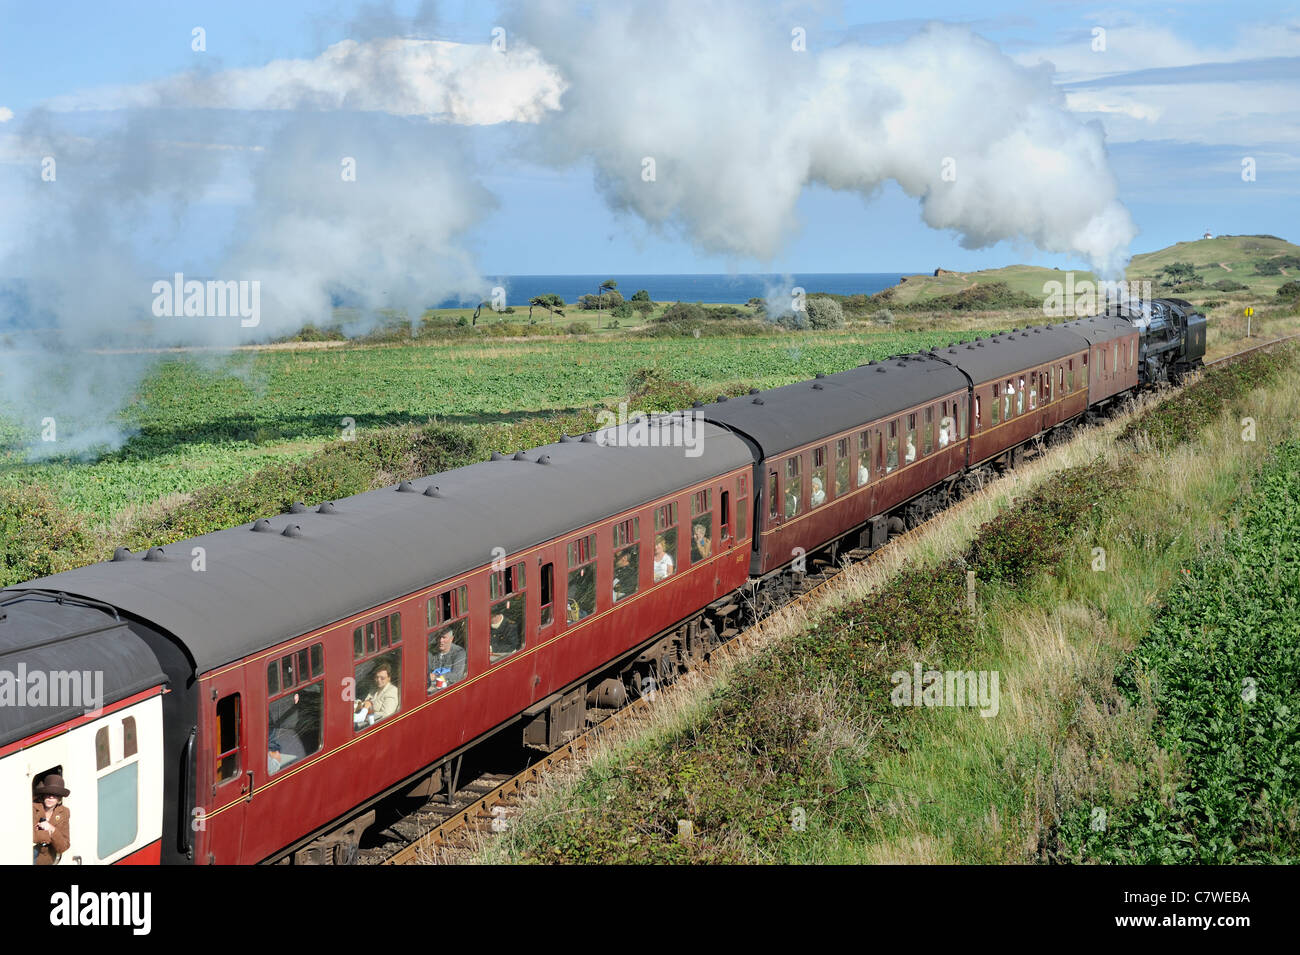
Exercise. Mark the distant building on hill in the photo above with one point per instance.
(1208, 234)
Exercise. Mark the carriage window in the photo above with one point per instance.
(793, 486)
(1083, 373)
(228, 733)
(961, 419)
(864, 458)
(665, 552)
(891, 459)
(102, 757)
(1069, 381)
(378, 675)
(1114, 357)
(447, 655)
(548, 595)
(995, 406)
(947, 424)
(295, 710)
(842, 476)
(742, 518)
(978, 423)
(506, 616)
(581, 597)
(927, 432)
(910, 455)
(725, 516)
(771, 495)
(129, 745)
(117, 799)
(1020, 397)
(817, 490)
(627, 557)
(880, 452)
(1033, 390)
(701, 525)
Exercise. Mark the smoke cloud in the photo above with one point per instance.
(735, 120)
(349, 176)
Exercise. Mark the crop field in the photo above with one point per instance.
(194, 423)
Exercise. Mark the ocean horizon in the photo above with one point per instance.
(711, 288)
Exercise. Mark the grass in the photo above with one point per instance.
(795, 755)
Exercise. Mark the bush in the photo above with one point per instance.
(38, 537)
(1290, 292)
(1228, 285)
(824, 312)
(577, 328)
(1267, 267)
(623, 310)
(641, 295)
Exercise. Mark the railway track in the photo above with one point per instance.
(451, 833)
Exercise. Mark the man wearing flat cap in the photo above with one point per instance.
(51, 820)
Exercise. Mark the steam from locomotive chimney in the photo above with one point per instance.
(712, 118)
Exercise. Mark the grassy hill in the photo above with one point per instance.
(1235, 258)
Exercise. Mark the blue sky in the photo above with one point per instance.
(1184, 92)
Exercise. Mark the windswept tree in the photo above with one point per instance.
(550, 301)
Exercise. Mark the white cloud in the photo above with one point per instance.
(6, 114)
(465, 84)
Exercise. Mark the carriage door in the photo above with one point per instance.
(225, 773)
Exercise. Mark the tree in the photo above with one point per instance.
(640, 295)
(549, 301)
(1289, 292)
(1180, 271)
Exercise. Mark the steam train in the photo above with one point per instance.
(263, 689)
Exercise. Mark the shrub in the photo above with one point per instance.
(824, 312)
(577, 328)
(38, 537)
(1290, 292)
(1228, 285)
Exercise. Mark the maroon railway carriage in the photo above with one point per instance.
(285, 627)
(838, 450)
(1023, 383)
(1113, 349)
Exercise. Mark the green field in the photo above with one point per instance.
(197, 424)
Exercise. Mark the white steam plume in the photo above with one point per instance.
(356, 180)
(737, 122)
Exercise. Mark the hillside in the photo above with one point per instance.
(1232, 258)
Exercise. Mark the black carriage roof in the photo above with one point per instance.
(1101, 328)
(783, 418)
(51, 647)
(985, 359)
(261, 587)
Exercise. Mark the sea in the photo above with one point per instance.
(738, 288)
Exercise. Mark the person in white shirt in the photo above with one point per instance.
(663, 562)
(818, 492)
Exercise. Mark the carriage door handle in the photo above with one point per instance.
(248, 787)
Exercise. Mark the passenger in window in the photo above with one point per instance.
(51, 820)
(504, 635)
(947, 430)
(382, 700)
(911, 449)
(447, 662)
(276, 758)
(863, 474)
(701, 546)
(818, 492)
(663, 562)
(625, 574)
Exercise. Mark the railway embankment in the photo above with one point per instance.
(1132, 589)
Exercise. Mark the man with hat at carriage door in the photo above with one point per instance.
(51, 820)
